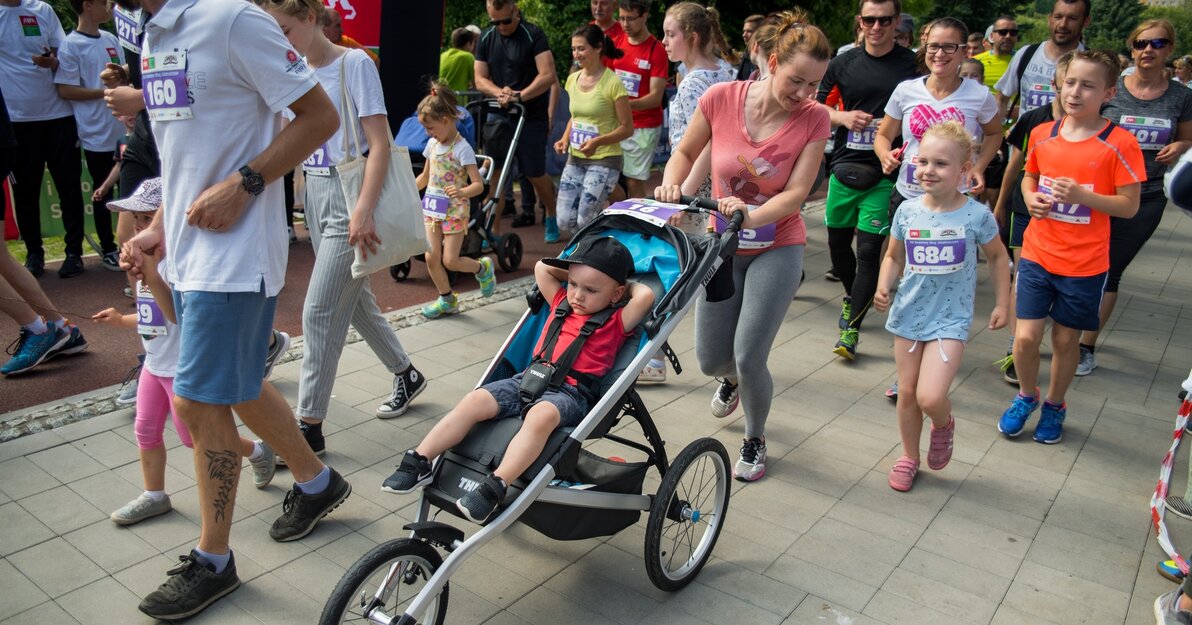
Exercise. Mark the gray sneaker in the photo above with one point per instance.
(277, 348)
(1088, 362)
(141, 508)
(127, 395)
(1168, 612)
(264, 467)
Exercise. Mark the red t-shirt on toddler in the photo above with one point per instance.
(599, 353)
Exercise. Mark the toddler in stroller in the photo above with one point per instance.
(594, 309)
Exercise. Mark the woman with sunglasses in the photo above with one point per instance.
(1158, 111)
(942, 95)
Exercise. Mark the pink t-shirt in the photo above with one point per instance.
(755, 171)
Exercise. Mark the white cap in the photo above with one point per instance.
(474, 28)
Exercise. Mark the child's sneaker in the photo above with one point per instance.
(551, 231)
(1051, 423)
(846, 311)
(1014, 418)
(751, 465)
(486, 277)
(940, 451)
(441, 306)
(141, 508)
(265, 467)
(902, 474)
(1088, 362)
(1169, 569)
(413, 472)
(892, 392)
(1168, 612)
(654, 371)
(725, 399)
(480, 504)
(846, 347)
(1009, 373)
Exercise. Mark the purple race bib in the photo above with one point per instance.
(657, 213)
(318, 163)
(435, 204)
(1152, 132)
(581, 132)
(151, 321)
(935, 251)
(163, 81)
(908, 177)
(631, 80)
(126, 23)
(753, 238)
(1067, 213)
(1039, 95)
(862, 140)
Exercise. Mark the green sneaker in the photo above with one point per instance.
(846, 312)
(486, 277)
(847, 345)
(441, 306)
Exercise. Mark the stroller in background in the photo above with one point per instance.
(570, 493)
(480, 238)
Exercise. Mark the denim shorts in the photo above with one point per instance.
(570, 403)
(224, 340)
(1071, 302)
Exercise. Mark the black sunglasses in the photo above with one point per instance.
(1158, 44)
(1007, 32)
(870, 20)
(505, 22)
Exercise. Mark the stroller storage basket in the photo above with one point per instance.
(592, 472)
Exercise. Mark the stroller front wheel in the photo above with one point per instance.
(687, 514)
(404, 566)
(400, 271)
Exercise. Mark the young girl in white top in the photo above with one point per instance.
(450, 178)
(156, 323)
(935, 238)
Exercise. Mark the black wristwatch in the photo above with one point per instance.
(252, 181)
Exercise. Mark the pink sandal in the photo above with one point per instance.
(940, 451)
(902, 474)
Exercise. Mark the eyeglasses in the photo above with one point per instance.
(630, 18)
(505, 22)
(870, 20)
(1006, 32)
(1158, 44)
(946, 48)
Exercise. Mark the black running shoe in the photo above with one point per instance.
(36, 264)
(413, 472)
(313, 434)
(300, 511)
(406, 386)
(480, 504)
(192, 587)
(72, 266)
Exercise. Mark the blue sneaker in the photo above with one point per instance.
(74, 344)
(1014, 418)
(30, 350)
(1051, 423)
(552, 230)
(486, 277)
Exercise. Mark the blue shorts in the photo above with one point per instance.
(570, 403)
(225, 337)
(1071, 302)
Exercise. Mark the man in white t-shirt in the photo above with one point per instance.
(215, 76)
(1065, 25)
(44, 127)
(85, 53)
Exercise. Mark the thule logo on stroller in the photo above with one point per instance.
(468, 484)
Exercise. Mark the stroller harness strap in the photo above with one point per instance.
(543, 373)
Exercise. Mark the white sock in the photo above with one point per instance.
(257, 451)
(38, 326)
(61, 323)
(155, 495)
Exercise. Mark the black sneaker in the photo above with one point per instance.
(192, 587)
(313, 433)
(75, 344)
(413, 473)
(1009, 373)
(71, 267)
(36, 264)
(406, 386)
(523, 220)
(480, 504)
(300, 511)
(111, 261)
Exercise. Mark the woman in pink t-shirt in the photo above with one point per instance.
(767, 140)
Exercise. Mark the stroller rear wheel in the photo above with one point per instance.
(411, 561)
(509, 251)
(687, 514)
(400, 271)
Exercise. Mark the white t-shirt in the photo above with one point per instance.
(462, 152)
(1036, 86)
(241, 73)
(971, 104)
(80, 61)
(161, 350)
(27, 30)
(364, 88)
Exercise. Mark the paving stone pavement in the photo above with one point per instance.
(1010, 532)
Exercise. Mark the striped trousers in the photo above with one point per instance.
(333, 299)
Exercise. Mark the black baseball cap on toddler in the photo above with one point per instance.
(604, 254)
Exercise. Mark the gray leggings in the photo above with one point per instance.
(733, 338)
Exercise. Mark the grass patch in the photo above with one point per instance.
(55, 248)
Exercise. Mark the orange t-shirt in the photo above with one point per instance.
(1073, 240)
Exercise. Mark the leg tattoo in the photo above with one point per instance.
(223, 467)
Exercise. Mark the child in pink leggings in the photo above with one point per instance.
(155, 322)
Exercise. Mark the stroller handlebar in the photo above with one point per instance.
(710, 206)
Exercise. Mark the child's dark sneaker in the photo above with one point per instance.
(480, 504)
(412, 473)
(1051, 423)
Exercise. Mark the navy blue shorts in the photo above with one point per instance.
(570, 403)
(1071, 302)
(225, 337)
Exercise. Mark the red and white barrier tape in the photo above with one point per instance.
(1158, 509)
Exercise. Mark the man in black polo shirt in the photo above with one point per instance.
(858, 193)
(514, 64)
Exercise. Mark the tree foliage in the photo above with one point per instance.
(1181, 18)
(1111, 24)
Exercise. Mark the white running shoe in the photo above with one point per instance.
(725, 399)
(751, 466)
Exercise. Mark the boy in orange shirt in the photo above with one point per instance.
(1080, 171)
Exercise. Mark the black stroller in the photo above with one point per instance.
(480, 239)
(570, 493)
